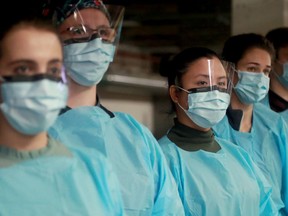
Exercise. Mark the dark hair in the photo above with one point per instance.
(59, 10)
(278, 37)
(236, 46)
(175, 66)
(22, 10)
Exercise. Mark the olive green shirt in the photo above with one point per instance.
(190, 139)
(9, 156)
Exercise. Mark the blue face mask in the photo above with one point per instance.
(32, 106)
(207, 108)
(283, 79)
(86, 63)
(251, 87)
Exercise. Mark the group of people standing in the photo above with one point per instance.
(63, 153)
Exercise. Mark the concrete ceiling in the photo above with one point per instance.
(164, 26)
(152, 29)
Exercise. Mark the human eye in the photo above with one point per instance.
(222, 84)
(54, 71)
(253, 69)
(267, 71)
(107, 34)
(78, 31)
(202, 83)
(22, 70)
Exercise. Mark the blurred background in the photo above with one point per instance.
(152, 29)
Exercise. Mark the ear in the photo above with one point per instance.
(235, 78)
(173, 91)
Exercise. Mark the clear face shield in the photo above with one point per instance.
(56, 74)
(213, 75)
(86, 22)
(210, 86)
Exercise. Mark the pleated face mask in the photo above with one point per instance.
(31, 106)
(251, 87)
(207, 108)
(87, 62)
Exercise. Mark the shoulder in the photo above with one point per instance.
(164, 141)
(127, 120)
(265, 112)
(84, 116)
(231, 147)
(167, 146)
(268, 117)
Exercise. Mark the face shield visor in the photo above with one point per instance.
(213, 75)
(209, 97)
(81, 21)
(55, 74)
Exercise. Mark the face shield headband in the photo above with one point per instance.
(65, 8)
(80, 31)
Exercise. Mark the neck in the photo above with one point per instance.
(11, 138)
(278, 88)
(81, 95)
(246, 122)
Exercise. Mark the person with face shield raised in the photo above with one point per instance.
(214, 176)
(252, 125)
(277, 97)
(39, 175)
(90, 32)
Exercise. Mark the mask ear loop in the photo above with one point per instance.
(182, 107)
(178, 104)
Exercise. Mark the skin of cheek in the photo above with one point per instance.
(183, 99)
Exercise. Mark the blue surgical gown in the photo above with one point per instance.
(225, 183)
(57, 185)
(148, 188)
(284, 113)
(267, 145)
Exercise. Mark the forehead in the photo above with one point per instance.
(30, 43)
(257, 55)
(89, 16)
(205, 66)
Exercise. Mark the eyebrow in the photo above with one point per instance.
(55, 61)
(255, 63)
(28, 61)
(207, 76)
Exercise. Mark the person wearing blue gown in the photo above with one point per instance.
(277, 97)
(248, 123)
(39, 175)
(214, 176)
(90, 33)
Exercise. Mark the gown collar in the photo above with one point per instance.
(191, 139)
